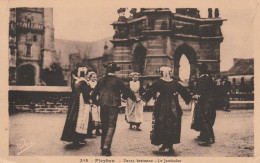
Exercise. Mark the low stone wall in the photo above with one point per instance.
(56, 100)
(39, 99)
(241, 104)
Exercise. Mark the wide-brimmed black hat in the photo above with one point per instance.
(111, 67)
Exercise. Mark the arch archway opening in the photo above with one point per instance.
(185, 63)
(26, 75)
(139, 59)
(184, 69)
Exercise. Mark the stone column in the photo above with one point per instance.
(48, 48)
(37, 74)
(209, 12)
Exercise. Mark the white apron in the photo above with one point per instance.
(134, 110)
(83, 116)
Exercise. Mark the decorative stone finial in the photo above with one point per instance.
(133, 11)
(216, 13)
(209, 12)
(121, 13)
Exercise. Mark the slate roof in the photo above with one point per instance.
(241, 67)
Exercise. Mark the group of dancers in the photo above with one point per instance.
(95, 105)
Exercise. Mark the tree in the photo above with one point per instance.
(53, 76)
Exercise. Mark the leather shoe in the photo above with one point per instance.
(212, 141)
(106, 152)
(205, 144)
(163, 148)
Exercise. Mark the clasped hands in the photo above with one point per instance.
(141, 101)
(137, 100)
(195, 96)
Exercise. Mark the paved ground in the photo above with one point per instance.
(39, 135)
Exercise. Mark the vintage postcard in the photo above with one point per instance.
(129, 81)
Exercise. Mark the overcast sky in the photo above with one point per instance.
(90, 23)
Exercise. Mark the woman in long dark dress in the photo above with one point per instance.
(167, 111)
(77, 121)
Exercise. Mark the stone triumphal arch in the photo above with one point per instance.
(157, 37)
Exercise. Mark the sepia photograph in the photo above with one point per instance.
(131, 81)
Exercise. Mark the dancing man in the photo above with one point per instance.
(226, 93)
(205, 110)
(109, 89)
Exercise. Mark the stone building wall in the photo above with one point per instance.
(31, 44)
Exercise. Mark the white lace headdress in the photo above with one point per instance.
(134, 73)
(165, 70)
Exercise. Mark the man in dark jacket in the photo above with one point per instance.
(205, 112)
(226, 92)
(219, 101)
(109, 90)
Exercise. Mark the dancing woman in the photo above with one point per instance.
(167, 111)
(95, 110)
(134, 110)
(76, 125)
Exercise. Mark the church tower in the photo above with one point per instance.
(31, 44)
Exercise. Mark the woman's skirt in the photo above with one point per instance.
(95, 111)
(83, 119)
(76, 124)
(134, 111)
(166, 123)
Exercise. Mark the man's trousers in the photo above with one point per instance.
(109, 116)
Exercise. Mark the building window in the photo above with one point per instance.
(243, 81)
(252, 80)
(12, 51)
(35, 38)
(28, 50)
(28, 18)
(13, 16)
(234, 81)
